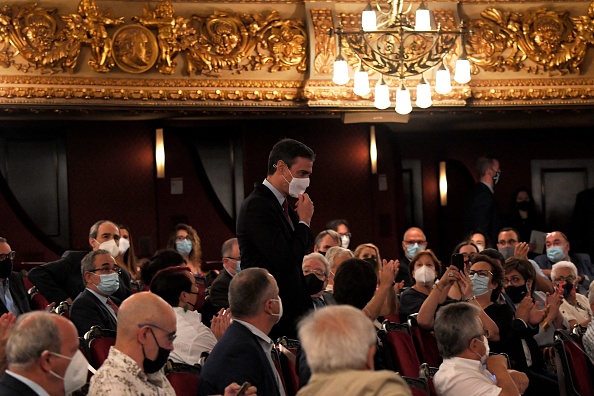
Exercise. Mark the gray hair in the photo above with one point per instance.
(33, 333)
(3, 240)
(337, 251)
(87, 264)
(319, 257)
(228, 246)
(94, 231)
(333, 234)
(591, 293)
(455, 326)
(248, 290)
(336, 338)
(563, 264)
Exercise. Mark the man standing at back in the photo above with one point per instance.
(274, 236)
(481, 210)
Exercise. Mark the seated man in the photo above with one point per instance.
(316, 268)
(162, 258)
(467, 368)
(243, 353)
(95, 306)
(219, 291)
(325, 240)
(43, 357)
(13, 296)
(339, 370)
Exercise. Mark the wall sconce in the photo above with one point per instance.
(160, 153)
(372, 150)
(443, 184)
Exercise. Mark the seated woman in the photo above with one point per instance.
(126, 257)
(185, 240)
(370, 253)
(424, 268)
(468, 249)
(178, 287)
(575, 307)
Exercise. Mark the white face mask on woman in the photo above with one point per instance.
(424, 275)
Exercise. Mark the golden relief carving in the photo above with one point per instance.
(325, 46)
(135, 49)
(539, 40)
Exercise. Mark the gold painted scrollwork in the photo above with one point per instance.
(325, 46)
(540, 40)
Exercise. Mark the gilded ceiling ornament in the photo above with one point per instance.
(135, 48)
(325, 46)
(539, 40)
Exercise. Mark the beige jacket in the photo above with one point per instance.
(356, 383)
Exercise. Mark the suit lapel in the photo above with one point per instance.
(265, 191)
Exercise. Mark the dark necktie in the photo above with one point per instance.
(112, 305)
(286, 209)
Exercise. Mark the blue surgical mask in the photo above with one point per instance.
(480, 284)
(183, 247)
(507, 251)
(109, 283)
(555, 254)
(412, 249)
(237, 266)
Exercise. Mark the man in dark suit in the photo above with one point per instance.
(40, 349)
(481, 211)
(244, 351)
(94, 305)
(274, 236)
(60, 280)
(13, 296)
(557, 246)
(219, 291)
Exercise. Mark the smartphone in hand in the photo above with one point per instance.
(243, 388)
(458, 261)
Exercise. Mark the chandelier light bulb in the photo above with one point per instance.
(422, 18)
(341, 71)
(368, 19)
(462, 74)
(403, 105)
(361, 86)
(443, 84)
(382, 94)
(423, 94)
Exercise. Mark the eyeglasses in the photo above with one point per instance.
(508, 242)
(486, 333)
(515, 281)
(413, 242)
(171, 336)
(182, 238)
(233, 258)
(484, 273)
(106, 271)
(569, 279)
(345, 234)
(9, 255)
(317, 272)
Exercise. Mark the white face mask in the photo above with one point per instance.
(124, 245)
(424, 275)
(297, 186)
(278, 315)
(110, 246)
(344, 241)
(486, 355)
(76, 373)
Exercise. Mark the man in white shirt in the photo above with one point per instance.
(467, 368)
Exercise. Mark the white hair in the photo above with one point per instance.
(337, 251)
(563, 264)
(319, 257)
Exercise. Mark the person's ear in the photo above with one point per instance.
(370, 358)
(529, 284)
(92, 242)
(44, 361)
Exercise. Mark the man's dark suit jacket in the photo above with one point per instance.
(237, 357)
(582, 262)
(266, 240)
(18, 292)
(219, 291)
(87, 311)
(10, 386)
(481, 212)
(61, 279)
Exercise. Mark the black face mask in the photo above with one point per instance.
(313, 284)
(5, 268)
(152, 366)
(567, 288)
(516, 293)
(372, 261)
(524, 205)
(322, 253)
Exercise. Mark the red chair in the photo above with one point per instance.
(184, 378)
(98, 342)
(574, 370)
(425, 343)
(38, 302)
(287, 368)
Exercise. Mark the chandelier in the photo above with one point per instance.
(391, 45)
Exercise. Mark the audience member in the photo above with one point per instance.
(273, 237)
(468, 250)
(340, 344)
(413, 242)
(94, 306)
(588, 338)
(162, 258)
(185, 240)
(370, 253)
(325, 240)
(126, 257)
(344, 230)
(481, 209)
(480, 239)
(509, 245)
(219, 291)
(315, 269)
(13, 295)
(519, 281)
(558, 249)
(575, 306)
(177, 286)
(425, 268)
(43, 357)
(60, 280)
(336, 256)
(244, 351)
(523, 216)
(467, 367)
(145, 335)
(7, 321)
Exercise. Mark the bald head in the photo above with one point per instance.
(143, 307)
